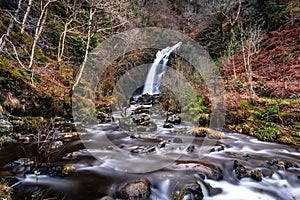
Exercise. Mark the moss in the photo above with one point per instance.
(266, 132)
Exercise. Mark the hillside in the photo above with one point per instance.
(255, 45)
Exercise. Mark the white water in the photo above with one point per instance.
(158, 69)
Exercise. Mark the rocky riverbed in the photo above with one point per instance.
(147, 155)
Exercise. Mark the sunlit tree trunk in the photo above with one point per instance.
(26, 16)
(89, 33)
(39, 29)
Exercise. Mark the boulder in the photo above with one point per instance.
(207, 170)
(138, 189)
(281, 164)
(173, 119)
(168, 125)
(191, 191)
(103, 117)
(242, 172)
(204, 119)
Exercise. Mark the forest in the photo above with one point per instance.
(49, 108)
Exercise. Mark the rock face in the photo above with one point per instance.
(139, 189)
(5, 126)
(242, 172)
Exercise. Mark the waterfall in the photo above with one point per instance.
(158, 69)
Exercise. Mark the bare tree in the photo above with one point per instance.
(26, 16)
(12, 21)
(250, 40)
(72, 12)
(233, 19)
(92, 11)
(39, 28)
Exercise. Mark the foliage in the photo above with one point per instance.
(5, 192)
(266, 132)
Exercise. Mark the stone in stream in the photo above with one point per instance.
(204, 119)
(107, 198)
(145, 99)
(204, 131)
(173, 119)
(168, 125)
(281, 164)
(242, 172)
(191, 191)
(5, 126)
(138, 189)
(208, 170)
(103, 117)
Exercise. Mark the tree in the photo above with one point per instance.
(250, 40)
(39, 28)
(72, 11)
(26, 16)
(92, 11)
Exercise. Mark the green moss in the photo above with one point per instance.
(266, 132)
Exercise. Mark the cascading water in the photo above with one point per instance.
(158, 69)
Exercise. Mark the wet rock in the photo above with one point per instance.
(177, 140)
(208, 170)
(242, 172)
(173, 119)
(217, 149)
(141, 110)
(281, 164)
(139, 189)
(204, 119)
(145, 99)
(142, 119)
(211, 190)
(107, 198)
(5, 126)
(142, 149)
(68, 170)
(24, 139)
(168, 125)
(103, 117)
(192, 191)
(190, 149)
(203, 132)
(57, 145)
(162, 144)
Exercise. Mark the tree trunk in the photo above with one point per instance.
(38, 32)
(91, 14)
(61, 45)
(25, 16)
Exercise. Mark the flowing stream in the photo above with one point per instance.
(95, 178)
